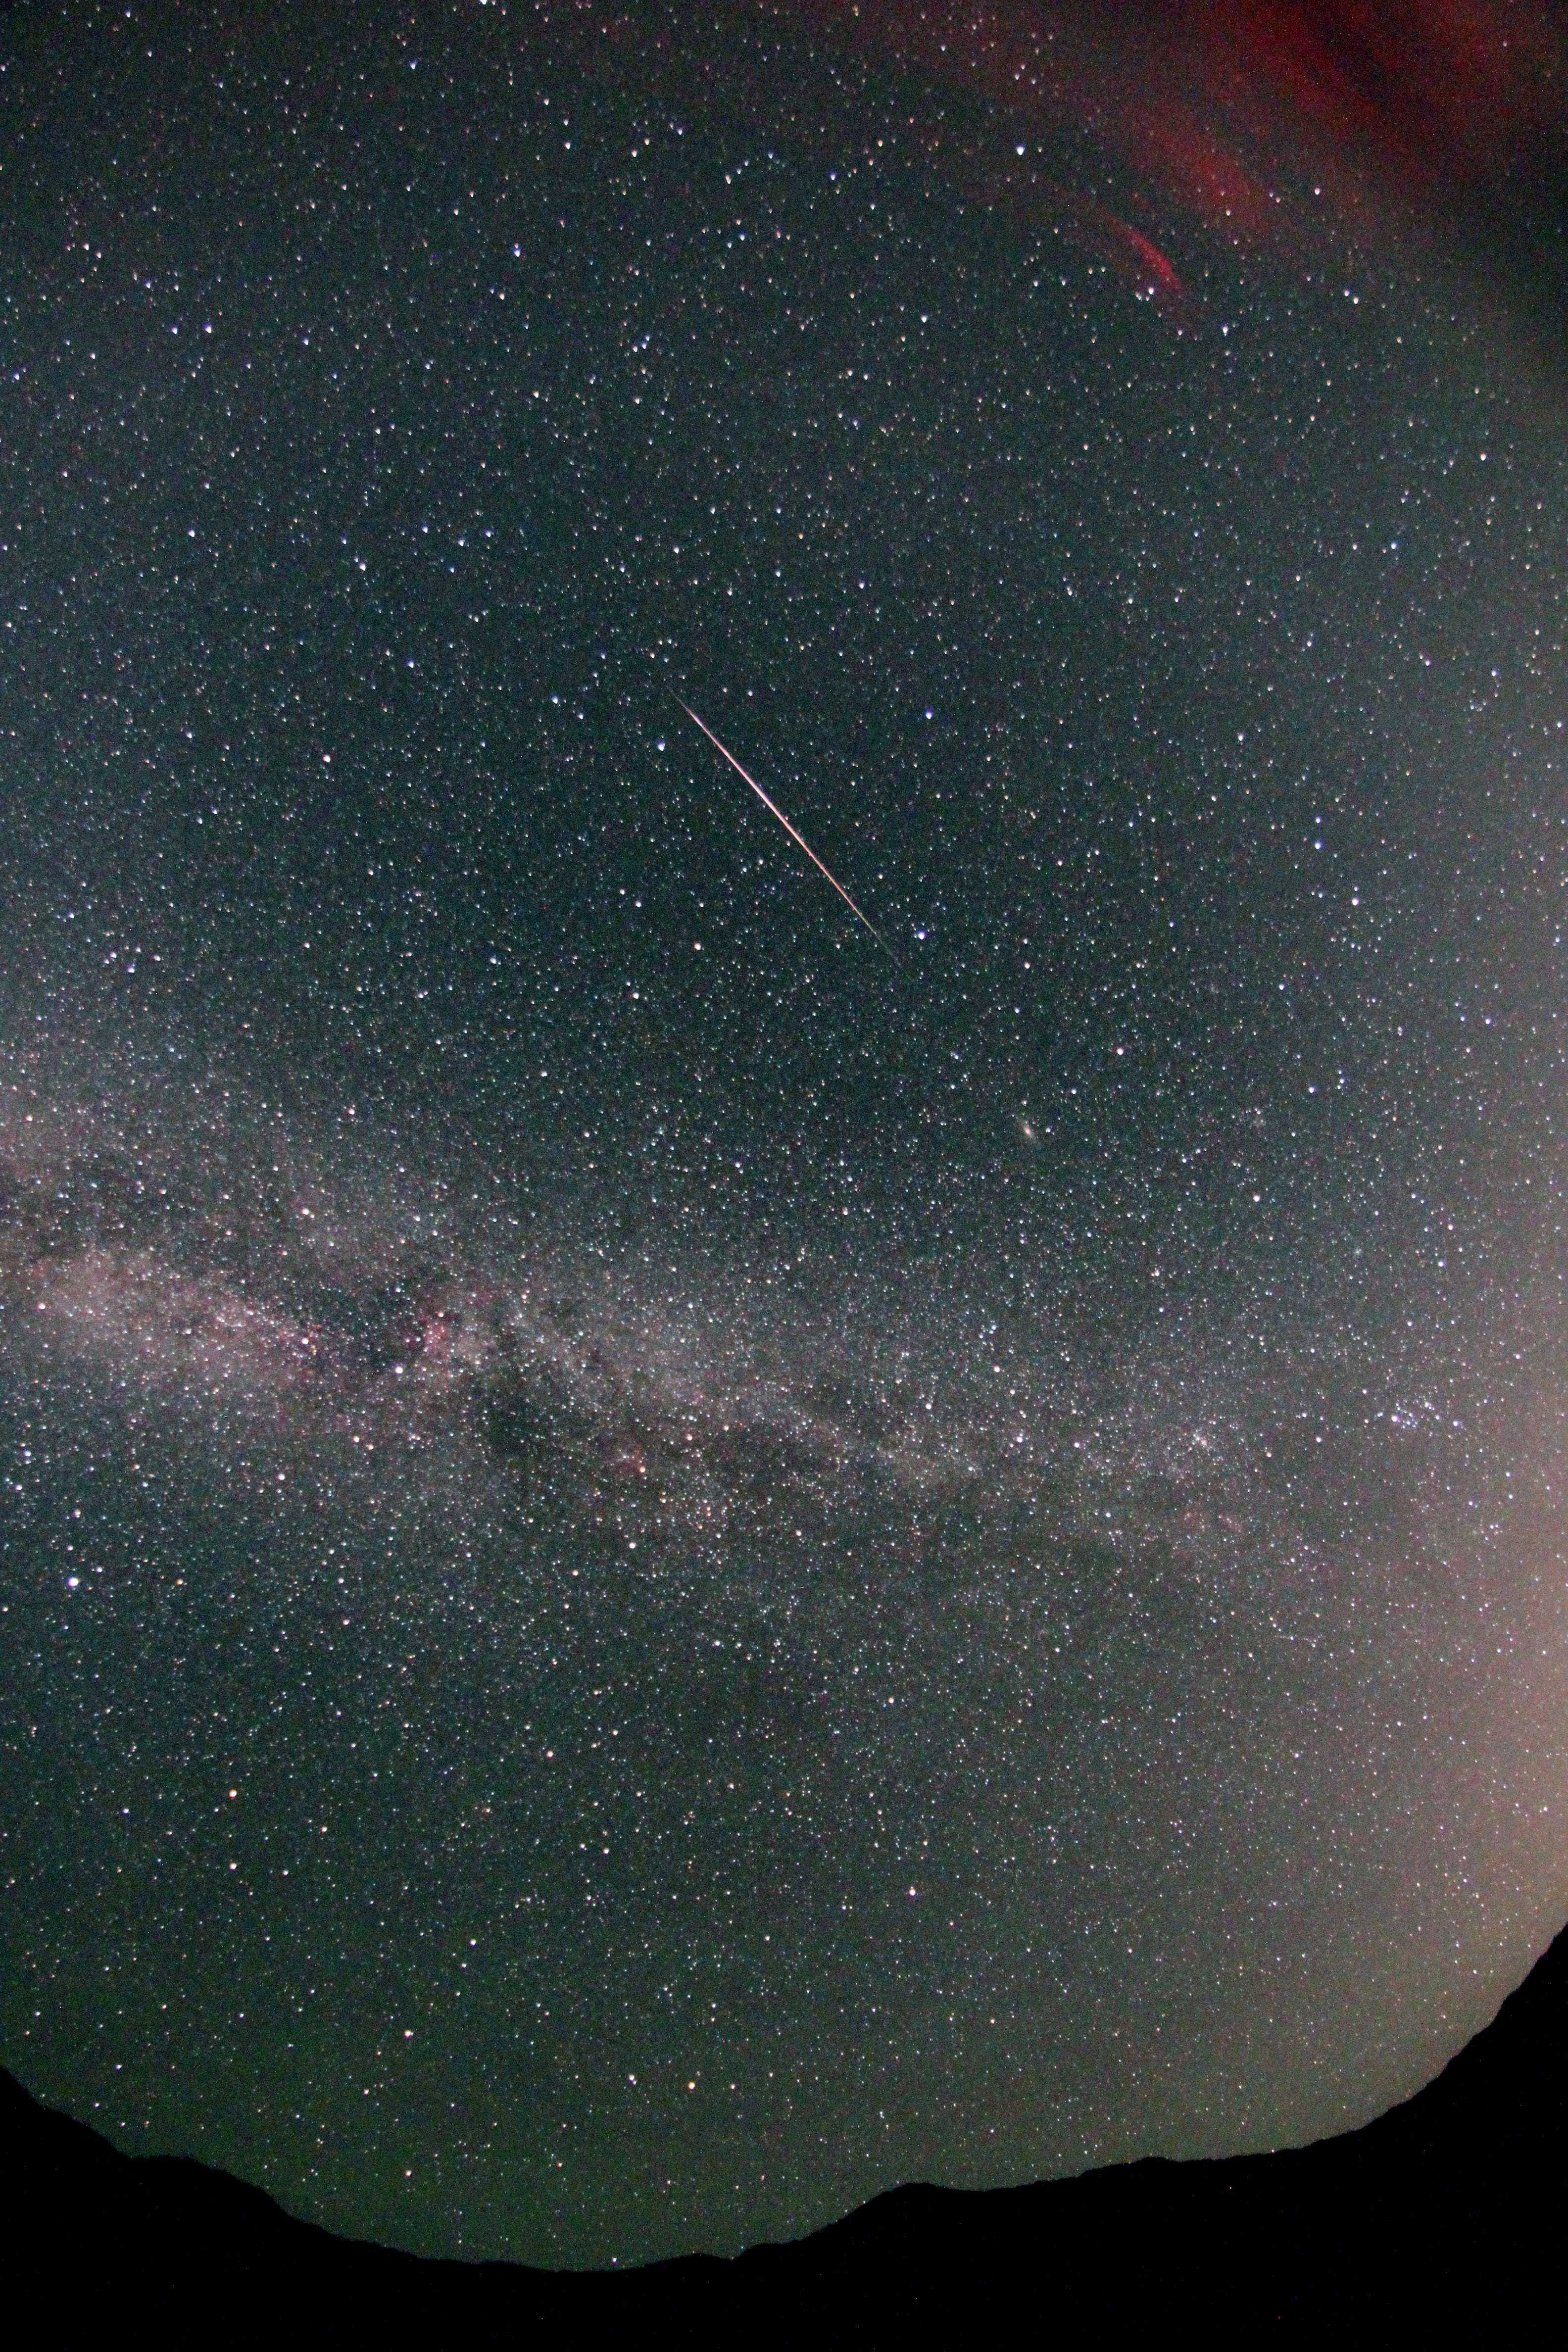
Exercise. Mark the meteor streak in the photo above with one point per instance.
(783, 820)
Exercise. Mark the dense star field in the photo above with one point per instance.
(662, 1562)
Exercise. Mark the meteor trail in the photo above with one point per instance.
(783, 820)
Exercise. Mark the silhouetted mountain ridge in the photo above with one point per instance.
(1447, 2208)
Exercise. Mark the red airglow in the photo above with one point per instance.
(1035, 202)
(1435, 89)
(1162, 277)
(1136, 258)
(1186, 162)
(1303, 124)
(1125, 73)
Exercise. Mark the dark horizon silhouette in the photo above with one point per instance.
(1443, 2210)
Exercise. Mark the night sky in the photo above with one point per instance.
(662, 1562)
